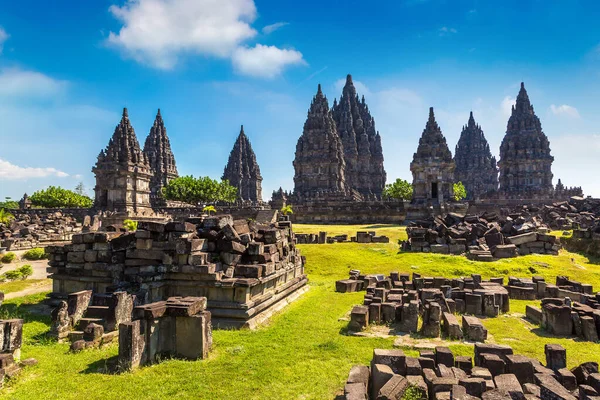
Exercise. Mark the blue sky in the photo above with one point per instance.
(67, 68)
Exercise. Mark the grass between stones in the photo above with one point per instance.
(18, 285)
(303, 353)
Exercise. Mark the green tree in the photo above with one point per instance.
(287, 209)
(199, 190)
(9, 203)
(399, 190)
(5, 217)
(80, 189)
(209, 209)
(55, 197)
(460, 193)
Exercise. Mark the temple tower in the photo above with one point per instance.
(432, 166)
(319, 163)
(475, 166)
(525, 160)
(363, 152)
(242, 170)
(123, 174)
(162, 161)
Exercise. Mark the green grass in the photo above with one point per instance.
(303, 352)
(18, 285)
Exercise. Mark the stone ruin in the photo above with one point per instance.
(494, 372)
(242, 170)
(321, 238)
(525, 161)
(178, 327)
(246, 270)
(11, 339)
(38, 228)
(475, 166)
(483, 237)
(401, 300)
(569, 308)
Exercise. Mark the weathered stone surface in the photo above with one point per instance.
(432, 166)
(242, 170)
(525, 161)
(475, 166)
(157, 149)
(473, 329)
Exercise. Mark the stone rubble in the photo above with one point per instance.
(321, 238)
(11, 339)
(494, 372)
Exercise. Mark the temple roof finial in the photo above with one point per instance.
(125, 113)
(348, 79)
(319, 89)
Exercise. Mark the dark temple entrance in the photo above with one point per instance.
(434, 190)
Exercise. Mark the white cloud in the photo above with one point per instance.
(159, 31)
(564, 109)
(273, 27)
(443, 31)
(3, 37)
(507, 104)
(265, 61)
(18, 82)
(9, 171)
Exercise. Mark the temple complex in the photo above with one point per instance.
(363, 153)
(525, 161)
(432, 166)
(242, 170)
(162, 161)
(123, 173)
(319, 164)
(475, 166)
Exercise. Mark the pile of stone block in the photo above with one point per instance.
(483, 237)
(30, 230)
(11, 339)
(494, 372)
(361, 237)
(243, 268)
(178, 327)
(401, 300)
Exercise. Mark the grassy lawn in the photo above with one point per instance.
(303, 352)
(18, 285)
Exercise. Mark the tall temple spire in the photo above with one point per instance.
(432, 166)
(475, 166)
(525, 159)
(242, 170)
(319, 162)
(362, 147)
(160, 156)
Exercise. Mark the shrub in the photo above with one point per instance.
(5, 217)
(13, 275)
(8, 258)
(35, 254)
(130, 225)
(26, 271)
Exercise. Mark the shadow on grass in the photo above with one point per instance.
(380, 226)
(107, 366)
(540, 332)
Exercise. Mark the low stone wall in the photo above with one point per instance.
(245, 270)
(322, 238)
(494, 372)
(349, 212)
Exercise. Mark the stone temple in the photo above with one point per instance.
(319, 164)
(123, 173)
(363, 153)
(432, 166)
(162, 161)
(525, 160)
(475, 166)
(242, 170)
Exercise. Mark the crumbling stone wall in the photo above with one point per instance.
(243, 268)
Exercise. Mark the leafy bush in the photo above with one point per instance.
(5, 217)
(8, 258)
(199, 190)
(55, 197)
(209, 209)
(399, 190)
(26, 271)
(460, 193)
(35, 254)
(9, 204)
(13, 275)
(287, 210)
(130, 225)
